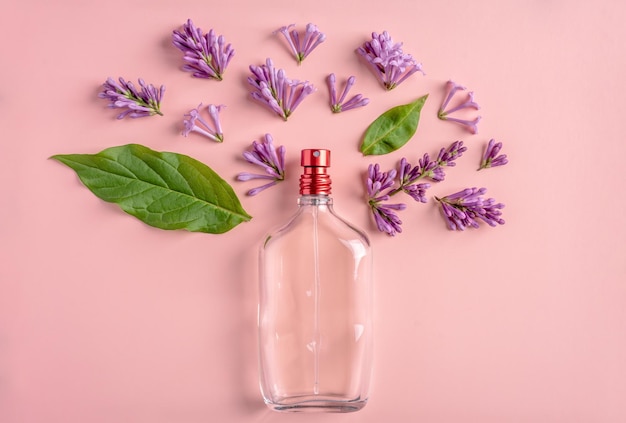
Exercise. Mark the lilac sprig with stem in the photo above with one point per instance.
(338, 104)
(469, 103)
(142, 102)
(205, 55)
(270, 159)
(272, 88)
(381, 186)
(463, 209)
(195, 123)
(302, 45)
(387, 60)
(491, 157)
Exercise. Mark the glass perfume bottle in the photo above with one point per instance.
(315, 335)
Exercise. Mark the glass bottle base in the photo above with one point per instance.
(317, 405)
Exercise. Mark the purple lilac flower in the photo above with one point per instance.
(447, 156)
(272, 161)
(452, 87)
(206, 55)
(272, 88)
(463, 208)
(433, 169)
(408, 176)
(426, 168)
(337, 105)
(443, 114)
(471, 125)
(381, 186)
(378, 181)
(302, 45)
(387, 60)
(384, 214)
(386, 219)
(139, 103)
(195, 123)
(491, 158)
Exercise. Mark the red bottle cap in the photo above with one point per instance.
(315, 157)
(314, 179)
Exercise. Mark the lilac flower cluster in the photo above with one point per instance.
(195, 123)
(384, 214)
(337, 105)
(205, 55)
(302, 45)
(491, 158)
(138, 103)
(273, 89)
(382, 185)
(462, 209)
(433, 169)
(387, 60)
(272, 160)
(471, 125)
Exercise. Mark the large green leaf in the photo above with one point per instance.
(392, 129)
(164, 190)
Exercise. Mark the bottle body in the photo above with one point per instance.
(315, 312)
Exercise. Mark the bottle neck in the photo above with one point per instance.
(315, 200)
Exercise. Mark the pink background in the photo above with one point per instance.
(104, 319)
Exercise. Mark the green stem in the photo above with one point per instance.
(394, 191)
(485, 165)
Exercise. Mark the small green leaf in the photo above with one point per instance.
(392, 129)
(164, 190)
